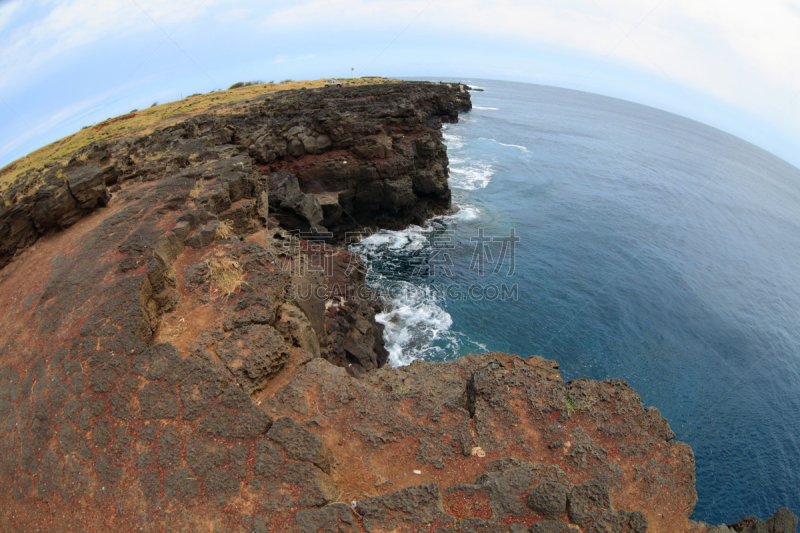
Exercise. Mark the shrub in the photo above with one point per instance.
(287, 81)
(570, 405)
(245, 84)
(154, 104)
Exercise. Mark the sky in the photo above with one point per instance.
(70, 63)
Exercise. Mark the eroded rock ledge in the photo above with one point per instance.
(140, 391)
(340, 159)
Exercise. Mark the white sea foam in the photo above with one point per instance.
(416, 324)
(486, 108)
(410, 239)
(453, 141)
(377, 239)
(514, 146)
(468, 212)
(413, 324)
(472, 176)
(465, 212)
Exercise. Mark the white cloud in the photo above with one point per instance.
(735, 50)
(741, 52)
(31, 130)
(235, 14)
(24, 137)
(288, 59)
(57, 33)
(7, 11)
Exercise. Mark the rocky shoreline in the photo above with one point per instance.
(187, 345)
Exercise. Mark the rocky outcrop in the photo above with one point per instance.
(177, 361)
(371, 154)
(784, 521)
(515, 451)
(320, 162)
(353, 339)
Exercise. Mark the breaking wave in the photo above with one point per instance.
(471, 176)
(514, 146)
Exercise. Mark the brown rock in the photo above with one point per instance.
(253, 354)
(407, 508)
(88, 187)
(548, 500)
(587, 502)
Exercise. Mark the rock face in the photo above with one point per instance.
(176, 361)
(373, 154)
(784, 521)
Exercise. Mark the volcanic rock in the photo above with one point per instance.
(141, 387)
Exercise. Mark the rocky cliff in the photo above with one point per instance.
(174, 357)
(340, 159)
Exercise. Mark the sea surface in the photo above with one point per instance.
(623, 242)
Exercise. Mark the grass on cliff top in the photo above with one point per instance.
(159, 116)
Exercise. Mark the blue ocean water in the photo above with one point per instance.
(651, 248)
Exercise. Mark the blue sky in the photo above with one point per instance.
(729, 64)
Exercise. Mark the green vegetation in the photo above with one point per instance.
(570, 404)
(239, 84)
(402, 389)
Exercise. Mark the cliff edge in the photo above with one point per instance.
(186, 346)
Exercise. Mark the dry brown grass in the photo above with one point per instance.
(226, 274)
(147, 120)
(171, 327)
(224, 230)
(196, 191)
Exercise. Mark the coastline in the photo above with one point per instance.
(131, 387)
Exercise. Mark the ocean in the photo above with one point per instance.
(623, 242)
